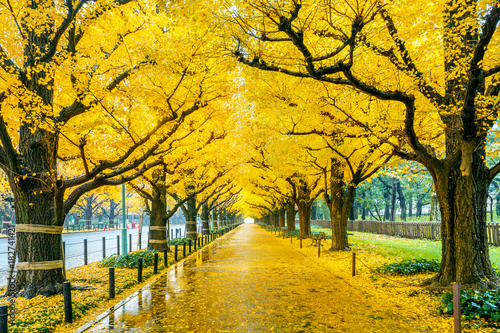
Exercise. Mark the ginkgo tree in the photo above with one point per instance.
(98, 86)
(439, 67)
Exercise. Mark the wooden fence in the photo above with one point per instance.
(425, 230)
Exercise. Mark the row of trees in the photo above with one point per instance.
(274, 102)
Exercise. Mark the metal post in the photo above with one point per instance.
(165, 258)
(111, 282)
(85, 261)
(354, 264)
(184, 250)
(4, 318)
(172, 233)
(155, 268)
(139, 270)
(175, 252)
(68, 308)
(117, 244)
(194, 244)
(189, 245)
(319, 247)
(139, 241)
(130, 245)
(457, 313)
(124, 224)
(103, 247)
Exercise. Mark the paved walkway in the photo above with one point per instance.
(250, 281)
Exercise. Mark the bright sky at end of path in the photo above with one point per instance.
(249, 220)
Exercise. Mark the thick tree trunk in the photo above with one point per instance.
(35, 203)
(290, 216)
(304, 219)
(339, 211)
(282, 218)
(190, 213)
(158, 219)
(205, 220)
(465, 252)
(112, 207)
(215, 222)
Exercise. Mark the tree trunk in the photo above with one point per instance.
(290, 216)
(410, 204)
(304, 219)
(433, 216)
(282, 218)
(387, 209)
(36, 204)
(215, 222)
(112, 206)
(158, 219)
(314, 214)
(190, 213)
(394, 184)
(205, 219)
(419, 209)
(465, 253)
(402, 201)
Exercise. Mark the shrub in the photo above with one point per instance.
(408, 267)
(474, 304)
(129, 260)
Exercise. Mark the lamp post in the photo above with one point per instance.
(124, 225)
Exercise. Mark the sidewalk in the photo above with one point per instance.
(250, 281)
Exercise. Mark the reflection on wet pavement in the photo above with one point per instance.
(249, 281)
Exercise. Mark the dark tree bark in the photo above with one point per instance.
(394, 185)
(205, 219)
(402, 200)
(290, 216)
(215, 222)
(314, 214)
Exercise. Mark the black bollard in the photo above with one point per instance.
(103, 247)
(85, 261)
(68, 308)
(139, 270)
(4, 309)
(155, 268)
(199, 240)
(139, 241)
(184, 250)
(175, 252)
(190, 246)
(165, 257)
(118, 244)
(194, 244)
(111, 282)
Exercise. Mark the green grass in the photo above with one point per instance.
(403, 248)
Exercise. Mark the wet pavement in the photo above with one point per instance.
(250, 281)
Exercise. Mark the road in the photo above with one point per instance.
(250, 281)
(74, 246)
